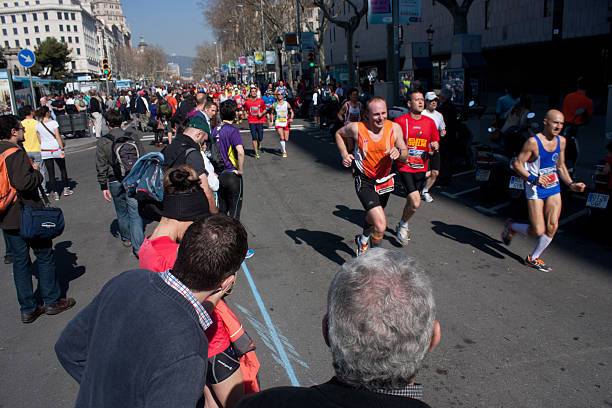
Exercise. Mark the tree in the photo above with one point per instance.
(54, 54)
(205, 60)
(140, 64)
(319, 47)
(331, 11)
(459, 14)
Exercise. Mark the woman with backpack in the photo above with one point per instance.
(52, 151)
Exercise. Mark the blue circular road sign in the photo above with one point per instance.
(26, 58)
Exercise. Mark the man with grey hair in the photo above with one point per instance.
(379, 325)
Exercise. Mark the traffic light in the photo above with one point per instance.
(105, 67)
(311, 59)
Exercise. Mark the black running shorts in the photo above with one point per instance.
(434, 161)
(412, 181)
(222, 366)
(364, 187)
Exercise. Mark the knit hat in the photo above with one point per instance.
(199, 122)
(186, 206)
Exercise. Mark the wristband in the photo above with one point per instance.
(532, 179)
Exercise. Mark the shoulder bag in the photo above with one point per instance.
(41, 223)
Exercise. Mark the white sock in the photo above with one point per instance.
(282, 142)
(363, 239)
(424, 191)
(522, 228)
(543, 242)
(403, 224)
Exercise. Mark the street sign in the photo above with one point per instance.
(26, 58)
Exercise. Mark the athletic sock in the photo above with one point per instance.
(282, 143)
(522, 228)
(424, 191)
(543, 242)
(403, 224)
(376, 238)
(363, 239)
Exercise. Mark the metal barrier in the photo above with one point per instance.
(75, 125)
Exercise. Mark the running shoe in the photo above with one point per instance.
(537, 264)
(361, 248)
(507, 233)
(285, 155)
(402, 234)
(249, 254)
(257, 155)
(427, 197)
(68, 191)
(56, 196)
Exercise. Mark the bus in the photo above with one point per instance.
(42, 87)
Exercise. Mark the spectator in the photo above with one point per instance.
(95, 108)
(52, 151)
(447, 143)
(26, 180)
(379, 326)
(59, 106)
(505, 103)
(575, 101)
(142, 111)
(131, 226)
(158, 351)
(31, 143)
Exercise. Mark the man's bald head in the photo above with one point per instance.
(554, 115)
(553, 123)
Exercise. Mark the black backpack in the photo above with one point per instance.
(124, 155)
(213, 153)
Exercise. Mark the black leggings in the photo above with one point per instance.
(159, 135)
(230, 194)
(61, 163)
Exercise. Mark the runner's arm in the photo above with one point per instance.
(291, 115)
(528, 151)
(400, 145)
(562, 170)
(341, 113)
(240, 151)
(212, 206)
(349, 132)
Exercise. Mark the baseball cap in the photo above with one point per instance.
(430, 96)
(199, 123)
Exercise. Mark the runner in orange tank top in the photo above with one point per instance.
(376, 143)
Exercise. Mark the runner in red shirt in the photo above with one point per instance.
(421, 137)
(256, 109)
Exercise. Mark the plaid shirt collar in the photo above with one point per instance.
(413, 391)
(177, 285)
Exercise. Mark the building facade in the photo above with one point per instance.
(516, 37)
(25, 24)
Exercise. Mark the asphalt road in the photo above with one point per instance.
(511, 336)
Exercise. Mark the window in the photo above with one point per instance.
(37, 40)
(37, 2)
(15, 31)
(63, 39)
(13, 19)
(65, 16)
(59, 15)
(74, 28)
(45, 16)
(47, 28)
(70, 40)
(16, 4)
(6, 44)
(4, 31)
(73, 64)
(67, 27)
(76, 40)
(61, 1)
(27, 41)
(487, 14)
(27, 3)
(78, 50)
(25, 30)
(72, 16)
(34, 16)
(61, 27)
(24, 18)
(35, 29)
(17, 43)
(2, 19)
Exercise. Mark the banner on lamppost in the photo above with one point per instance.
(242, 61)
(259, 57)
(270, 58)
(380, 11)
(291, 41)
(250, 61)
(308, 41)
(232, 64)
(224, 67)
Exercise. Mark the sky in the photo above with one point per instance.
(176, 25)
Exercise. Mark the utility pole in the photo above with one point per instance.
(299, 34)
(263, 41)
(396, 54)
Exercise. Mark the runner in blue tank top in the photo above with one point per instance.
(541, 164)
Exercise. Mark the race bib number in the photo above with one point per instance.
(416, 158)
(483, 175)
(385, 186)
(596, 200)
(551, 176)
(516, 183)
(254, 110)
(282, 117)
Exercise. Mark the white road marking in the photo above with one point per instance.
(463, 173)
(493, 210)
(455, 195)
(573, 217)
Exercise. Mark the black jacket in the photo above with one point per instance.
(25, 180)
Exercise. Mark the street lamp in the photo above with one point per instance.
(279, 45)
(430, 33)
(357, 49)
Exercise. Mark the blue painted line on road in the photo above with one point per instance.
(273, 333)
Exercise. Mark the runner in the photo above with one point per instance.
(431, 103)
(256, 108)
(351, 111)
(421, 136)
(282, 114)
(377, 142)
(541, 164)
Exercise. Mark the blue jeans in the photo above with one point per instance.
(48, 284)
(131, 227)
